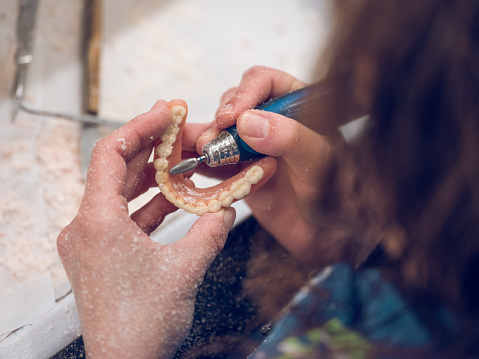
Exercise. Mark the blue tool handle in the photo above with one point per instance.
(292, 105)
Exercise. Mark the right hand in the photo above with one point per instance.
(304, 202)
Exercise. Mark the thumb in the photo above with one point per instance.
(206, 239)
(305, 151)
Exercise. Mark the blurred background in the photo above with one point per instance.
(113, 62)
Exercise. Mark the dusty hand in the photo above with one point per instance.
(135, 297)
(302, 203)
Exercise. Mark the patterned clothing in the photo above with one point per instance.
(347, 313)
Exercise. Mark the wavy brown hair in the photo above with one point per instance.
(413, 65)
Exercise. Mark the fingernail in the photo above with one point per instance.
(253, 125)
(229, 216)
(206, 135)
(228, 108)
(225, 114)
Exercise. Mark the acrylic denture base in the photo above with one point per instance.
(181, 192)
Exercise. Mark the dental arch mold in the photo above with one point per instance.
(182, 192)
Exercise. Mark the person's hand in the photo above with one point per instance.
(310, 198)
(135, 297)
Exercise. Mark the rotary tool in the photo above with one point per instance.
(228, 148)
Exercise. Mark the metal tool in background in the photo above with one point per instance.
(91, 52)
(24, 57)
(26, 22)
(27, 14)
(228, 148)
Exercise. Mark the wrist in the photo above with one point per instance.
(136, 334)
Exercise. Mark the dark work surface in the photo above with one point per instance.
(71, 351)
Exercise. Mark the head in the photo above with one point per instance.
(414, 67)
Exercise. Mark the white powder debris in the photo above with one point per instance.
(38, 199)
(122, 143)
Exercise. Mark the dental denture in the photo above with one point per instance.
(182, 192)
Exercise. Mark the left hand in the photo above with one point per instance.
(135, 297)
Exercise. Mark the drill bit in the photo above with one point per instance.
(187, 165)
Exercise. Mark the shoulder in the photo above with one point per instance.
(347, 310)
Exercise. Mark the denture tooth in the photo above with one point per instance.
(214, 206)
(160, 164)
(190, 208)
(164, 188)
(226, 198)
(161, 177)
(164, 150)
(180, 202)
(201, 209)
(240, 188)
(157, 178)
(170, 197)
(254, 174)
(180, 191)
(177, 114)
(172, 130)
(168, 138)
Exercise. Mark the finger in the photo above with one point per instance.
(108, 171)
(191, 133)
(152, 214)
(136, 171)
(257, 85)
(227, 96)
(305, 151)
(147, 181)
(211, 133)
(212, 130)
(206, 239)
